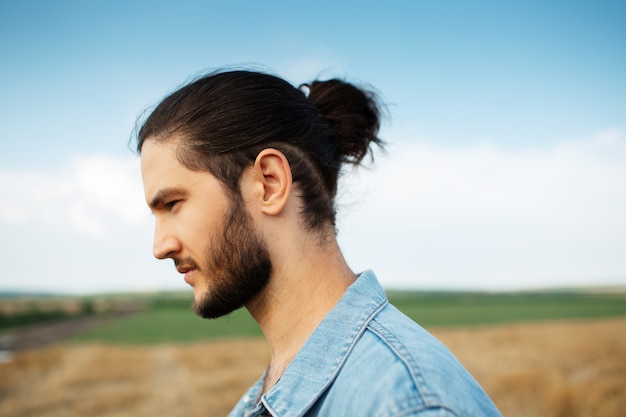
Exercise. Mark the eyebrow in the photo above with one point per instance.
(163, 195)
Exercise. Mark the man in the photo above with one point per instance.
(240, 170)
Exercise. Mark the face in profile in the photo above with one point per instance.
(205, 230)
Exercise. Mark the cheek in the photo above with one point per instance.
(199, 229)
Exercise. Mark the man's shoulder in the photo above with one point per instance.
(401, 367)
(406, 341)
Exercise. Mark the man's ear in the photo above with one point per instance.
(274, 175)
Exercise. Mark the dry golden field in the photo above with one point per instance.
(553, 369)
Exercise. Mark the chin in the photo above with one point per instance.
(198, 296)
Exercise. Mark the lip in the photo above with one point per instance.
(187, 272)
(188, 276)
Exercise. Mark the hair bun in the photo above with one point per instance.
(352, 114)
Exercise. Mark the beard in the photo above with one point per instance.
(238, 265)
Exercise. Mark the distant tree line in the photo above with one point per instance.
(37, 314)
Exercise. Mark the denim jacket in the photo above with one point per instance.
(366, 358)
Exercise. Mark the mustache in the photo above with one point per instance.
(186, 263)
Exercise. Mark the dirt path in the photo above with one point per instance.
(40, 335)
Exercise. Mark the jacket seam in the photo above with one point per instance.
(429, 398)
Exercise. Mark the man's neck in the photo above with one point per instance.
(306, 284)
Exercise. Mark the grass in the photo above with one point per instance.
(164, 325)
(170, 319)
(458, 309)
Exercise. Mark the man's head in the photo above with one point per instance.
(200, 141)
(205, 230)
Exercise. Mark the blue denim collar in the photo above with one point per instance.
(316, 365)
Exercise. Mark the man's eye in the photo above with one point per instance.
(170, 205)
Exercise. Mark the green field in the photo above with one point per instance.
(171, 325)
(469, 309)
(170, 320)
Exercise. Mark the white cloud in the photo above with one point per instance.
(485, 217)
(94, 195)
(11, 213)
(82, 227)
(109, 189)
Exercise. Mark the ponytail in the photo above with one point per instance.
(352, 114)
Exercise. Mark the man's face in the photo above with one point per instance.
(205, 230)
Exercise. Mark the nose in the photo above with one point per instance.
(165, 244)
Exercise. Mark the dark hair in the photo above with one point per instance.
(225, 119)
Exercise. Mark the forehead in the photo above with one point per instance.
(161, 169)
(158, 161)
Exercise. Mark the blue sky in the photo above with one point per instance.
(507, 131)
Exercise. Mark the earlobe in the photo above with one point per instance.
(275, 176)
